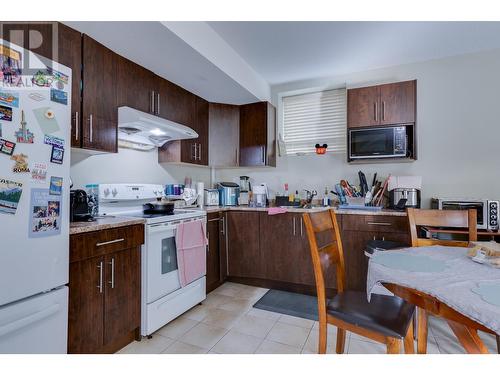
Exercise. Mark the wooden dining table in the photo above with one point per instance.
(445, 286)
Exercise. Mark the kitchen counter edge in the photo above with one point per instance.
(338, 211)
(103, 223)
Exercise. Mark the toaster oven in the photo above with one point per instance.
(487, 210)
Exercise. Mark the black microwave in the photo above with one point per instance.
(374, 143)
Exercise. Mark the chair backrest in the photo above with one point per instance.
(327, 254)
(441, 219)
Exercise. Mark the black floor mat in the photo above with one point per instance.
(295, 304)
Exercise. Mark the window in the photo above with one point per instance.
(318, 117)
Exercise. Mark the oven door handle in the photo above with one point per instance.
(160, 228)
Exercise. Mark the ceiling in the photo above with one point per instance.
(291, 51)
(155, 47)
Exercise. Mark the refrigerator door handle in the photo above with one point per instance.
(30, 319)
(100, 276)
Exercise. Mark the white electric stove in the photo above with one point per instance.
(162, 297)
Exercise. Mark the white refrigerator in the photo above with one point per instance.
(35, 122)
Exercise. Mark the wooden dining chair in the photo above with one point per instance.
(466, 220)
(385, 319)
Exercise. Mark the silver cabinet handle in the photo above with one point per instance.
(223, 228)
(152, 102)
(112, 282)
(383, 110)
(208, 241)
(378, 223)
(100, 266)
(77, 123)
(199, 152)
(375, 111)
(263, 154)
(157, 103)
(110, 242)
(294, 232)
(193, 157)
(91, 128)
(301, 230)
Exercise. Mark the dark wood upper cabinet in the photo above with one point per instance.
(136, 86)
(201, 127)
(175, 103)
(99, 109)
(389, 104)
(362, 106)
(70, 54)
(257, 135)
(224, 135)
(398, 103)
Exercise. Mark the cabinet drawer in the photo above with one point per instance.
(379, 223)
(92, 244)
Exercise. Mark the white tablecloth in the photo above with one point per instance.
(453, 286)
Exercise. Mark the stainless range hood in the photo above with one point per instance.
(144, 131)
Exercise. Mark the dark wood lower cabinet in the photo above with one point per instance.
(216, 257)
(104, 289)
(273, 251)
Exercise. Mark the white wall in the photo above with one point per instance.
(130, 166)
(458, 131)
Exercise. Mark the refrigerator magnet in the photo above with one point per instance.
(21, 163)
(9, 98)
(45, 214)
(55, 185)
(10, 194)
(36, 96)
(41, 79)
(57, 155)
(5, 113)
(39, 172)
(23, 135)
(46, 119)
(7, 147)
(53, 141)
(59, 96)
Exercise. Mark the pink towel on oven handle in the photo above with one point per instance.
(191, 242)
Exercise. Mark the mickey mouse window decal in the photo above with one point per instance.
(321, 150)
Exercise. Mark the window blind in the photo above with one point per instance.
(318, 117)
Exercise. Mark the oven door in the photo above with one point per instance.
(161, 261)
(372, 143)
(479, 206)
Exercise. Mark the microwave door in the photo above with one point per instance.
(372, 143)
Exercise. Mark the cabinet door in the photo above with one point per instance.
(397, 103)
(70, 54)
(213, 252)
(135, 86)
(175, 103)
(86, 303)
(363, 107)
(122, 306)
(243, 252)
(224, 134)
(278, 233)
(201, 127)
(100, 115)
(356, 262)
(253, 134)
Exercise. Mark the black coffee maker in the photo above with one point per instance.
(79, 206)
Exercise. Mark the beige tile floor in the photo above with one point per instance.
(226, 323)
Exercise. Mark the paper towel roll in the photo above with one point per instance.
(200, 188)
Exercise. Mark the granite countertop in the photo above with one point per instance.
(102, 223)
(385, 212)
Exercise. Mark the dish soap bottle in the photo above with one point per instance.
(326, 199)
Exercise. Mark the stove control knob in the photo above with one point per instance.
(493, 205)
(106, 192)
(493, 211)
(114, 192)
(493, 217)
